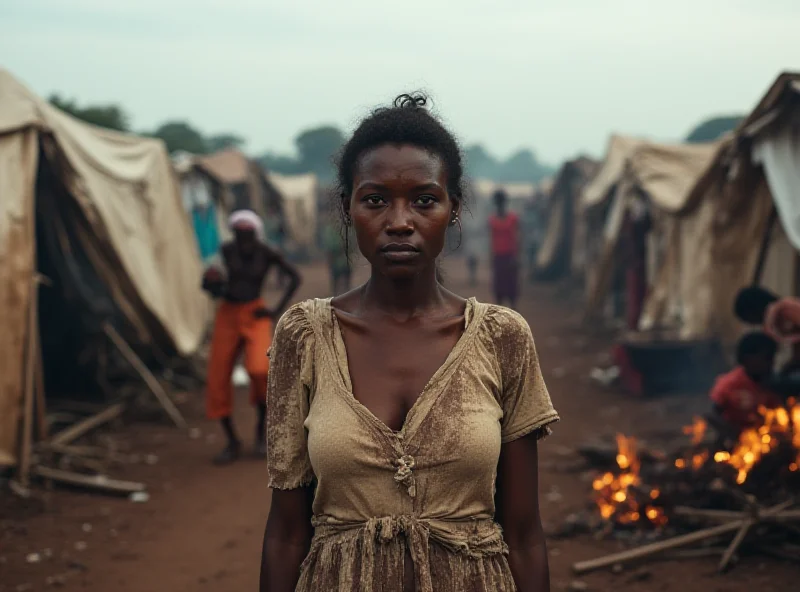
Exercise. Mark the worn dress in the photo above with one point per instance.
(425, 492)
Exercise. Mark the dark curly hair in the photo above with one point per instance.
(407, 121)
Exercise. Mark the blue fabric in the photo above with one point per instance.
(205, 229)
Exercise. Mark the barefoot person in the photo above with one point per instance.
(243, 322)
(403, 420)
(504, 227)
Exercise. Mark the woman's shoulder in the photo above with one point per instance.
(299, 318)
(504, 323)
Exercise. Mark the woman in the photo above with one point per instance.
(243, 322)
(393, 407)
(504, 228)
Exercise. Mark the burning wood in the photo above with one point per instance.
(706, 481)
(621, 497)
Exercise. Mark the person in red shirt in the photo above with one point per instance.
(738, 394)
(504, 229)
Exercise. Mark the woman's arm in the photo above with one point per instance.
(294, 282)
(286, 540)
(517, 501)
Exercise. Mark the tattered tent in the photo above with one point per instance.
(594, 206)
(740, 223)
(654, 179)
(206, 201)
(245, 179)
(99, 214)
(300, 196)
(554, 257)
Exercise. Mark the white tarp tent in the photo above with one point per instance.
(128, 217)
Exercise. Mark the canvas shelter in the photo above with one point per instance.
(300, 196)
(206, 201)
(92, 228)
(652, 186)
(739, 223)
(555, 254)
(245, 179)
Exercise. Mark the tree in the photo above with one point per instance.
(522, 166)
(713, 128)
(107, 116)
(224, 142)
(180, 135)
(286, 165)
(479, 162)
(316, 148)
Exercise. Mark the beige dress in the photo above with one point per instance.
(427, 489)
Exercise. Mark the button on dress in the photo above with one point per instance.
(425, 493)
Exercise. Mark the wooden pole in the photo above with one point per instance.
(30, 371)
(764, 250)
(654, 548)
(146, 375)
(75, 431)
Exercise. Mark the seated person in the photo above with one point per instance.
(738, 394)
(758, 306)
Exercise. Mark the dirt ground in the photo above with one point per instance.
(201, 529)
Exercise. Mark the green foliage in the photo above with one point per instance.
(221, 142)
(713, 128)
(107, 116)
(522, 166)
(316, 149)
(180, 135)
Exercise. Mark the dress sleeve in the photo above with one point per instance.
(288, 398)
(526, 403)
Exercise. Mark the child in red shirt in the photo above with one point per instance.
(738, 394)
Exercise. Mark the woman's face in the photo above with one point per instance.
(400, 209)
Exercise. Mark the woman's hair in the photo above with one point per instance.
(407, 121)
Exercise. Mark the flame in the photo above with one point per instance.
(697, 430)
(615, 495)
(776, 426)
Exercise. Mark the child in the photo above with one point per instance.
(738, 394)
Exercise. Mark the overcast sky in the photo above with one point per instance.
(557, 76)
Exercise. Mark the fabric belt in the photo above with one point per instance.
(477, 537)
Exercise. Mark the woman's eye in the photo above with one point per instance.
(426, 200)
(373, 200)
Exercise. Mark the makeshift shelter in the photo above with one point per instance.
(206, 201)
(300, 196)
(594, 206)
(246, 180)
(555, 254)
(95, 218)
(739, 224)
(651, 188)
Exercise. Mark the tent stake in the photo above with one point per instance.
(151, 381)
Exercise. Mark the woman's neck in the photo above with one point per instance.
(406, 298)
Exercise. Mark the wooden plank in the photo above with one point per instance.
(79, 429)
(98, 482)
(30, 375)
(147, 376)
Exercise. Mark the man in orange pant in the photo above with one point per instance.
(243, 322)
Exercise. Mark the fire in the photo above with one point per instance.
(776, 426)
(697, 430)
(617, 496)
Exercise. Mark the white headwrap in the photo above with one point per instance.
(246, 219)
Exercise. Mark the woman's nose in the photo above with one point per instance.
(400, 220)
